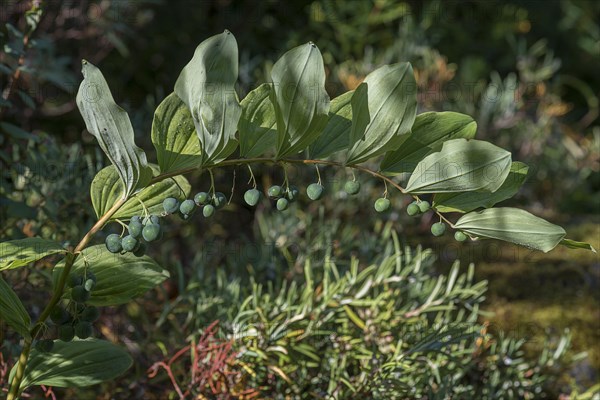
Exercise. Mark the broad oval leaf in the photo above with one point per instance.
(206, 86)
(429, 131)
(461, 166)
(512, 225)
(464, 202)
(106, 189)
(384, 108)
(336, 134)
(79, 363)
(299, 98)
(120, 277)
(12, 310)
(258, 124)
(110, 124)
(20, 252)
(174, 136)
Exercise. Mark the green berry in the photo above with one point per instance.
(438, 229)
(75, 279)
(79, 294)
(135, 228)
(201, 198)
(219, 200)
(113, 243)
(208, 210)
(89, 285)
(187, 207)
(136, 218)
(352, 187)
(382, 204)
(413, 209)
(275, 191)
(292, 193)
(44, 345)
(151, 232)
(171, 205)
(282, 204)
(90, 314)
(66, 333)
(83, 329)
(424, 206)
(314, 191)
(140, 249)
(59, 315)
(460, 236)
(251, 197)
(129, 243)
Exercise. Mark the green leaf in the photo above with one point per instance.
(573, 244)
(110, 124)
(461, 166)
(299, 98)
(174, 136)
(512, 225)
(12, 310)
(429, 131)
(18, 253)
(464, 202)
(120, 277)
(384, 109)
(206, 86)
(78, 363)
(258, 124)
(336, 134)
(106, 189)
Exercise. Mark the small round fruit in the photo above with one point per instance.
(201, 198)
(75, 279)
(44, 345)
(140, 250)
(251, 197)
(438, 229)
(219, 200)
(460, 236)
(275, 191)
(151, 232)
(170, 205)
(136, 218)
(382, 204)
(352, 187)
(187, 207)
(90, 314)
(314, 191)
(129, 243)
(292, 193)
(59, 315)
(79, 294)
(113, 243)
(83, 329)
(66, 333)
(282, 204)
(89, 285)
(208, 210)
(413, 209)
(135, 228)
(424, 206)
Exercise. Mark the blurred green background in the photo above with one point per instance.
(527, 71)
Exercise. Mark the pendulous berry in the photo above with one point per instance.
(413, 209)
(424, 206)
(113, 243)
(208, 210)
(129, 243)
(79, 294)
(187, 207)
(89, 285)
(382, 204)
(59, 315)
(140, 250)
(314, 191)
(275, 191)
(282, 204)
(75, 279)
(90, 314)
(438, 229)
(460, 236)
(219, 200)
(170, 205)
(352, 187)
(83, 329)
(151, 232)
(201, 198)
(292, 193)
(252, 197)
(44, 345)
(66, 333)
(135, 228)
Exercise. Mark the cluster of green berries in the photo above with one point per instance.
(187, 208)
(77, 318)
(283, 196)
(140, 231)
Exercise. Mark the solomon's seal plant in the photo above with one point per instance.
(374, 130)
